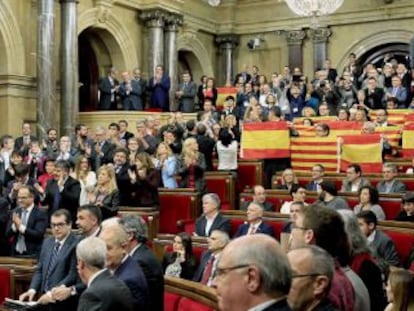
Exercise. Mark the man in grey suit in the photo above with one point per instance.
(382, 247)
(186, 93)
(104, 292)
(108, 87)
(389, 184)
(130, 92)
(56, 265)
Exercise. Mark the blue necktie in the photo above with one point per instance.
(52, 263)
(56, 200)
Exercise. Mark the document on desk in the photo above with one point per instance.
(19, 305)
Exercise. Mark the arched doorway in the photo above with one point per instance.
(98, 51)
(399, 51)
(187, 61)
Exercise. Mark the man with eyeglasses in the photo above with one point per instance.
(324, 227)
(318, 170)
(253, 273)
(312, 273)
(57, 264)
(27, 226)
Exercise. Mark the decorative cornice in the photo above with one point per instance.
(154, 17)
(173, 21)
(320, 35)
(231, 39)
(295, 37)
(69, 1)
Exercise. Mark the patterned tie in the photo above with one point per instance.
(21, 244)
(52, 263)
(252, 230)
(207, 271)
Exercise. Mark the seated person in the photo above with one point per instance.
(298, 194)
(354, 180)
(368, 201)
(259, 197)
(329, 196)
(181, 262)
(208, 263)
(254, 222)
(288, 180)
(407, 214)
(211, 219)
(382, 247)
(295, 208)
(389, 184)
(318, 170)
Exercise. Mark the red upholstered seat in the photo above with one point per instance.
(153, 110)
(171, 301)
(187, 304)
(391, 208)
(235, 223)
(173, 207)
(277, 227)
(5, 290)
(219, 184)
(247, 176)
(403, 241)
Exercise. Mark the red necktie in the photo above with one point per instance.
(252, 230)
(207, 271)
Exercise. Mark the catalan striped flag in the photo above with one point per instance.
(366, 150)
(393, 134)
(395, 116)
(265, 140)
(308, 150)
(315, 120)
(222, 93)
(408, 140)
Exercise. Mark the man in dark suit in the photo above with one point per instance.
(104, 292)
(211, 218)
(254, 222)
(21, 143)
(62, 191)
(317, 173)
(206, 145)
(186, 93)
(108, 87)
(123, 266)
(243, 76)
(130, 92)
(159, 85)
(4, 220)
(389, 184)
(27, 226)
(382, 247)
(21, 178)
(57, 263)
(136, 229)
(331, 73)
(259, 197)
(124, 134)
(142, 83)
(208, 263)
(103, 151)
(88, 220)
(121, 167)
(240, 282)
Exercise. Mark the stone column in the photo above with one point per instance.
(294, 40)
(227, 43)
(320, 39)
(46, 100)
(69, 66)
(155, 21)
(171, 55)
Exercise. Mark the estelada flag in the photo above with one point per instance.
(408, 140)
(222, 93)
(365, 150)
(265, 140)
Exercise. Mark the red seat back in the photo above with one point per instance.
(5, 290)
(171, 301)
(187, 304)
(403, 241)
(277, 227)
(223, 186)
(235, 224)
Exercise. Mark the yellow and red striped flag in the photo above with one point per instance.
(393, 134)
(265, 140)
(365, 150)
(315, 120)
(408, 140)
(222, 93)
(395, 116)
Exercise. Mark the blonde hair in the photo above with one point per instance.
(188, 154)
(167, 147)
(402, 286)
(112, 186)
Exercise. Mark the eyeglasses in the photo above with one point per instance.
(294, 276)
(223, 271)
(294, 226)
(22, 198)
(57, 225)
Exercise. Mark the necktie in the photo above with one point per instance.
(56, 200)
(207, 271)
(21, 244)
(394, 91)
(52, 263)
(252, 230)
